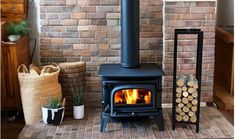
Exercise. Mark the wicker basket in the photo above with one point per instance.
(33, 87)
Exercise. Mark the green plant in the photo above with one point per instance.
(78, 96)
(20, 28)
(53, 103)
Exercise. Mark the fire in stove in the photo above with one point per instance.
(132, 96)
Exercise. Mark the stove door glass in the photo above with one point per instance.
(132, 97)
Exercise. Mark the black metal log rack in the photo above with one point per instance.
(199, 34)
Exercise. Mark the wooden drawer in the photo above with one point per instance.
(12, 1)
(12, 8)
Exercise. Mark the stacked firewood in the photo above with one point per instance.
(186, 98)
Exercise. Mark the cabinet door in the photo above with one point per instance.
(8, 95)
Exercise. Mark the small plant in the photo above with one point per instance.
(78, 96)
(20, 28)
(53, 103)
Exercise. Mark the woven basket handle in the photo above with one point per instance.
(22, 69)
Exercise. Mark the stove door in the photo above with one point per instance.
(133, 98)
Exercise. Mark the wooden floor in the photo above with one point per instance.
(212, 125)
(10, 130)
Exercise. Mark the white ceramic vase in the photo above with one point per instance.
(14, 38)
(78, 112)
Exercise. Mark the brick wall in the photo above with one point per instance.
(89, 30)
(199, 15)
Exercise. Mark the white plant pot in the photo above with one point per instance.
(52, 116)
(14, 38)
(78, 112)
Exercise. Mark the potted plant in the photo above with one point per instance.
(78, 99)
(53, 112)
(16, 30)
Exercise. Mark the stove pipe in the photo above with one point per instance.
(130, 33)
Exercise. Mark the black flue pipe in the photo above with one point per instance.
(130, 33)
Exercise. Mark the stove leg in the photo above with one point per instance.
(104, 121)
(160, 121)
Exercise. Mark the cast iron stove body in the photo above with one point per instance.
(131, 89)
(115, 79)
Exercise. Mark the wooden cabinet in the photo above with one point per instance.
(223, 79)
(14, 10)
(13, 54)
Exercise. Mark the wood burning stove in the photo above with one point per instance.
(131, 89)
(131, 92)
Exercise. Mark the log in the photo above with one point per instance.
(190, 113)
(178, 109)
(181, 105)
(180, 81)
(194, 102)
(179, 118)
(185, 118)
(190, 80)
(190, 98)
(179, 90)
(195, 94)
(178, 94)
(194, 108)
(191, 90)
(185, 109)
(182, 113)
(185, 94)
(189, 105)
(193, 119)
(185, 100)
(178, 100)
(184, 88)
(195, 86)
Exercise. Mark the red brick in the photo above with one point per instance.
(78, 15)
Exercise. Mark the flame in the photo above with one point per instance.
(132, 96)
(147, 98)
